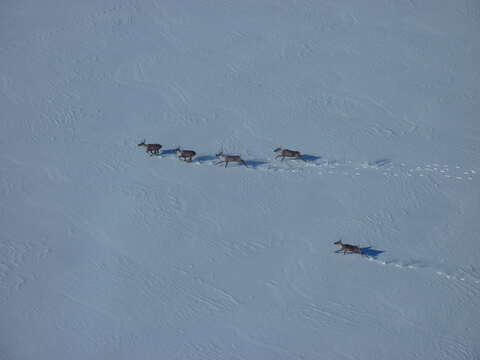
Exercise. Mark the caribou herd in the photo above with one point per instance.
(188, 155)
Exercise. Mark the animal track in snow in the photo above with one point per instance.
(457, 274)
(348, 168)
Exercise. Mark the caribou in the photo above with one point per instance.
(354, 249)
(283, 153)
(152, 149)
(229, 158)
(185, 155)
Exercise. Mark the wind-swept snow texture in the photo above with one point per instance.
(108, 253)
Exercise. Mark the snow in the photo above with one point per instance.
(108, 253)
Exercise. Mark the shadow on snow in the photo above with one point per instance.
(373, 253)
(309, 157)
(204, 158)
(379, 163)
(255, 163)
(168, 152)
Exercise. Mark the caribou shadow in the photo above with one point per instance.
(308, 157)
(168, 152)
(255, 163)
(204, 158)
(368, 251)
(379, 163)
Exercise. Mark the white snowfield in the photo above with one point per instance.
(109, 253)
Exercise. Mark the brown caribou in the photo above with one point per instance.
(354, 249)
(185, 155)
(152, 149)
(229, 158)
(283, 153)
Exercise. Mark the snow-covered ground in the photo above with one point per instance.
(107, 253)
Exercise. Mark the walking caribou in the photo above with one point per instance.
(283, 153)
(229, 158)
(152, 149)
(354, 249)
(185, 155)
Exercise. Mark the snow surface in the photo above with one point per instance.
(107, 253)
